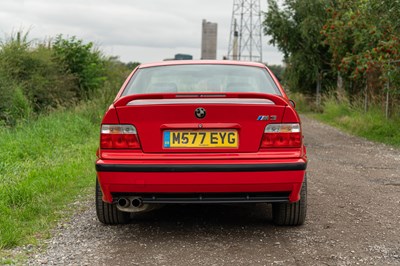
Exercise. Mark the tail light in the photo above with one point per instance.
(119, 137)
(282, 136)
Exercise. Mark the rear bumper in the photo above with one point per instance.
(157, 180)
(156, 168)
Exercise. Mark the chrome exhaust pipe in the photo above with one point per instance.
(137, 202)
(134, 204)
(123, 202)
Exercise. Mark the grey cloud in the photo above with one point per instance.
(123, 26)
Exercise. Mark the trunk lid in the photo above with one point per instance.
(171, 123)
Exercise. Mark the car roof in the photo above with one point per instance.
(202, 62)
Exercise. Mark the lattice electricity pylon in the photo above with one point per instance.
(245, 40)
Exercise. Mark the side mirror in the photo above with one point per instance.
(292, 103)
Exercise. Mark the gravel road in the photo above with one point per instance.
(353, 219)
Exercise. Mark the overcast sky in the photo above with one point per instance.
(133, 30)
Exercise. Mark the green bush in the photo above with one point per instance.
(37, 77)
(49, 85)
(83, 61)
(31, 81)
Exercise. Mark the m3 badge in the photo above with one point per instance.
(266, 117)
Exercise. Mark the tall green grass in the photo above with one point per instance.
(371, 125)
(304, 104)
(44, 166)
(53, 95)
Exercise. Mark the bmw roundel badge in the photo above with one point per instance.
(200, 112)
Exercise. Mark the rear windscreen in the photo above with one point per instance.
(201, 78)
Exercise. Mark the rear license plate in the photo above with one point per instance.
(200, 139)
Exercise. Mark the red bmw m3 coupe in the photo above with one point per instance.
(209, 132)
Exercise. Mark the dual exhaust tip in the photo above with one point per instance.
(133, 202)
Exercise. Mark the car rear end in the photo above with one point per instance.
(201, 132)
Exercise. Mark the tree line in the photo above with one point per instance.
(349, 48)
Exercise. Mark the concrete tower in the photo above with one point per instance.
(245, 41)
(209, 40)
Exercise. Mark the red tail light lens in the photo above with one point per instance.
(119, 137)
(282, 136)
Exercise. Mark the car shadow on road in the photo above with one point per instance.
(208, 213)
(195, 230)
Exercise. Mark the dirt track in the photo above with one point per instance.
(353, 218)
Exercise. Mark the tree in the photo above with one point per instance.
(364, 39)
(295, 30)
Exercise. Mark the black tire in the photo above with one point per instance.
(291, 213)
(108, 213)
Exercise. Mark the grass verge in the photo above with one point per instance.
(371, 125)
(44, 166)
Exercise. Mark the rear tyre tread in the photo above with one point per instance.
(108, 213)
(291, 213)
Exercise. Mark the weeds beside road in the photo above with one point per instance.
(352, 118)
(44, 166)
(53, 95)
